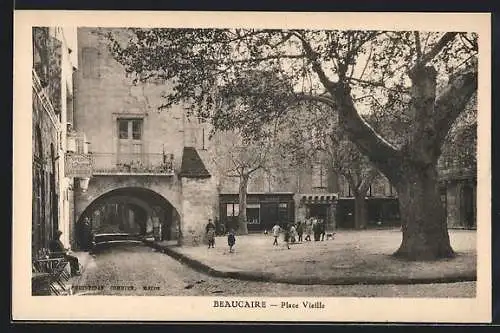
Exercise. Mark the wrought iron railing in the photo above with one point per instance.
(111, 163)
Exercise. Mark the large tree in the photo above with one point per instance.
(400, 69)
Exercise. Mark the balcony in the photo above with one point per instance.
(132, 164)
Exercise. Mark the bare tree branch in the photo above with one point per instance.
(313, 57)
(322, 99)
(445, 39)
(369, 142)
(366, 64)
(379, 84)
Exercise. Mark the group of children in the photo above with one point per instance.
(293, 233)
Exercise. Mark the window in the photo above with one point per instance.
(69, 107)
(233, 209)
(283, 212)
(130, 133)
(130, 129)
(123, 129)
(136, 129)
(229, 209)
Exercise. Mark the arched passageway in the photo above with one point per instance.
(132, 210)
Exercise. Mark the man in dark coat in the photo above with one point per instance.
(322, 229)
(300, 231)
(58, 250)
(210, 230)
(86, 234)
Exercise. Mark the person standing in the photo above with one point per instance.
(322, 229)
(300, 231)
(231, 240)
(86, 233)
(293, 233)
(58, 250)
(308, 229)
(315, 226)
(276, 232)
(210, 230)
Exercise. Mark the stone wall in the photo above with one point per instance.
(198, 197)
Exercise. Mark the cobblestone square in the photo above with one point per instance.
(352, 254)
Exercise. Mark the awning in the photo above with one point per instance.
(318, 198)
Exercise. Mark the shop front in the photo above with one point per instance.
(263, 210)
(319, 206)
(382, 213)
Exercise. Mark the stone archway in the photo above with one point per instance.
(131, 210)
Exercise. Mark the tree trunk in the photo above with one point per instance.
(425, 232)
(360, 211)
(242, 216)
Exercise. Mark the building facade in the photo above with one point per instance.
(54, 62)
(149, 173)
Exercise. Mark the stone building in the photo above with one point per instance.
(280, 195)
(53, 65)
(149, 171)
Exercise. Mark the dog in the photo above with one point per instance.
(330, 235)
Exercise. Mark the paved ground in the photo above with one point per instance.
(140, 266)
(356, 255)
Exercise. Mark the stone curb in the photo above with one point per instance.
(270, 277)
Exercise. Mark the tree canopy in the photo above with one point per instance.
(416, 83)
(204, 66)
